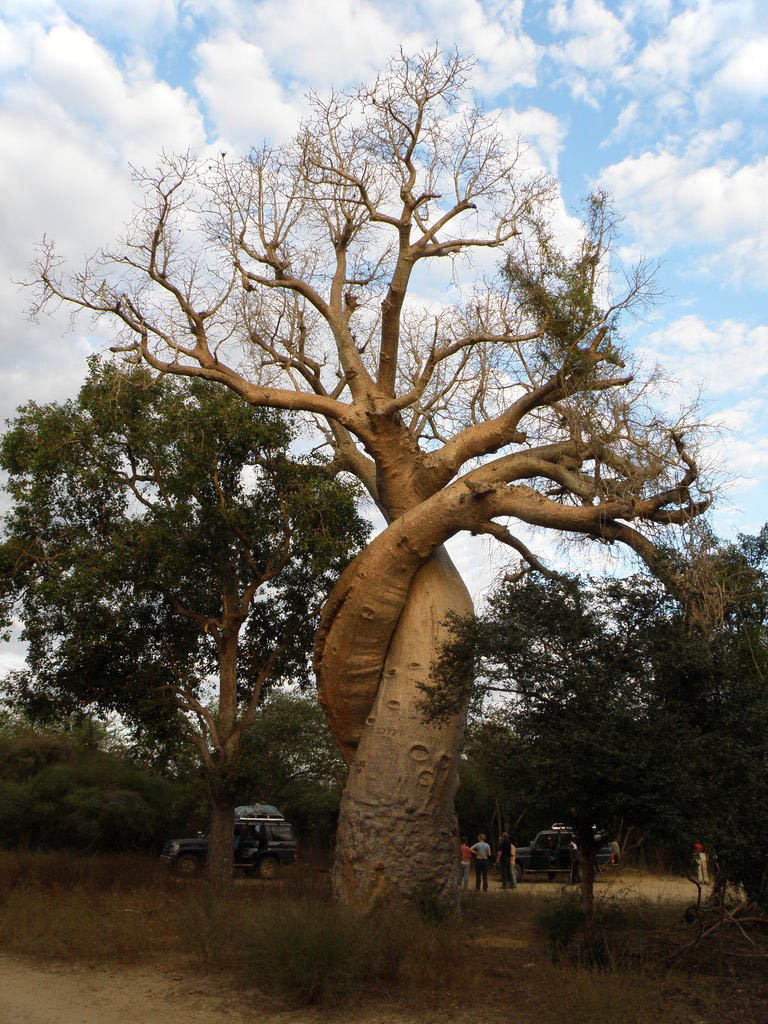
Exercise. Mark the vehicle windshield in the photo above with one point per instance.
(545, 841)
(283, 832)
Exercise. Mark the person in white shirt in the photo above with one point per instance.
(481, 852)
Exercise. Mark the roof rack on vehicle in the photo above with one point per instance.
(258, 812)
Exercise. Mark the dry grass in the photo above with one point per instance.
(288, 942)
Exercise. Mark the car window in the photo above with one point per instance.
(282, 833)
(545, 841)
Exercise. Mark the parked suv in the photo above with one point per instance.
(550, 853)
(263, 844)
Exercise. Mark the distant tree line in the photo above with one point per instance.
(77, 784)
(616, 703)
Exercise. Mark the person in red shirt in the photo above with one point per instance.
(465, 859)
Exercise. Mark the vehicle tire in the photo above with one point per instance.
(268, 869)
(518, 873)
(187, 866)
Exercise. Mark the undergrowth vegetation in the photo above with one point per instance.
(506, 953)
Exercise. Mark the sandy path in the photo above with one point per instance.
(35, 992)
(627, 885)
(32, 992)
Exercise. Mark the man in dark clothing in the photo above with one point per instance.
(505, 859)
(482, 852)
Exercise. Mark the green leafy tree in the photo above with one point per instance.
(70, 788)
(607, 703)
(164, 547)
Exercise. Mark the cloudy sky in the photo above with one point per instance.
(662, 102)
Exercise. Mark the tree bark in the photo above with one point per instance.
(588, 889)
(397, 836)
(221, 852)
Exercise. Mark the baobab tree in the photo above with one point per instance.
(288, 277)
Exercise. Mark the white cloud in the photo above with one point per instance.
(597, 42)
(149, 20)
(724, 358)
(342, 42)
(627, 118)
(654, 10)
(727, 363)
(243, 99)
(14, 48)
(667, 200)
(539, 129)
(75, 83)
(335, 42)
(746, 73)
(492, 33)
(72, 122)
(693, 43)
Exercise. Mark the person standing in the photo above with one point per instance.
(481, 852)
(465, 860)
(700, 860)
(574, 857)
(506, 859)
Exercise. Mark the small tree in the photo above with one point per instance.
(511, 403)
(160, 537)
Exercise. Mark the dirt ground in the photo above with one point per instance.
(626, 884)
(53, 993)
(46, 993)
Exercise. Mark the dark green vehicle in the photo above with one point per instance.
(550, 854)
(264, 843)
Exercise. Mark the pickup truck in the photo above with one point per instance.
(549, 853)
(262, 847)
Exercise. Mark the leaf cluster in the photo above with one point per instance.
(603, 701)
(147, 516)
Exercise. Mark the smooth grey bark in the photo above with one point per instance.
(397, 835)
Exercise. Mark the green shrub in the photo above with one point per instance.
(57, 792)
(314, 953)
(561, 920)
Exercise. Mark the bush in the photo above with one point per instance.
(561, 921)
(57, 792)
(312, 952)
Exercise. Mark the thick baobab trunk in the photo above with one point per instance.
(397, 827)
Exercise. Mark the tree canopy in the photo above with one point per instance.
(160, 535)
(605, 704)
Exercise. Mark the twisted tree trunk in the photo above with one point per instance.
(397, 836)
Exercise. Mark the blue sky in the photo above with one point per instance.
(663, 102)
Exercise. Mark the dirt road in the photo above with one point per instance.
(33, 992)
(628, 885)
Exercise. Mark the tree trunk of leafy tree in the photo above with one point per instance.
(222, 819)
(221, 838)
